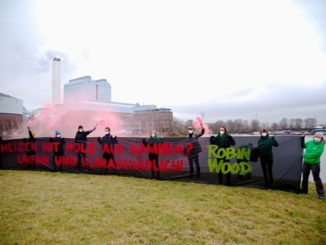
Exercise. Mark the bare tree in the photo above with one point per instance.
(274, 126)
(283, 123)
(298, 123)
(310, 122)
(291, 123)
(255, 125)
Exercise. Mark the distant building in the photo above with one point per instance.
(85, 88)
(159, 119)
(12, 113)
(93, 97)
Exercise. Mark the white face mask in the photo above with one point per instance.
(80, 130)
(58, 136)
(107, 131)
(190, 131)
(316, 139)
(153, 135)
(264, 134)
(222, 132)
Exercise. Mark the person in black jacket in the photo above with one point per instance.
(153, 157)
(81, 138)
(30, 151)
(265, 144)
(193, 154)
(108, 141)
(223, 140)
(59, 150)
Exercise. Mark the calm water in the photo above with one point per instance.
(322, 164)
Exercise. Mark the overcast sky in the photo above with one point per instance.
(246, 59)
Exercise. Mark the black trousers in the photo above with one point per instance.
(56, 156)
(80, 156)
(267, 166)
(32, 164)
(315, 168)
(220, 174)
(191, 160)
(107, 158)
(154, 158)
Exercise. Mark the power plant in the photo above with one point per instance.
(85, 101)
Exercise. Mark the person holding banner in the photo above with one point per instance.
(81, 139)
(193, 153)
(223, 140)
(265, 144)
(314, 150)
(108, 142)
(30, 152)
(58, 150)
(153, 156)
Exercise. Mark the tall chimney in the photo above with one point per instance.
(56, 81)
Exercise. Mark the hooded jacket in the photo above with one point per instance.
(313, 151)
(81, 137)
(265, 145)
(222, 141)
(193, 140)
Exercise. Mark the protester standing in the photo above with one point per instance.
(223, 140)
(193, 153)
(81, 139)
(108, 142)
(314, 150)
(265, 144)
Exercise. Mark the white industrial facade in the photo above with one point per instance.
(87, 89)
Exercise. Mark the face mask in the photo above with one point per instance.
(222, 132)
(80, 130)
(153, 135)
(107, 132)
(58, 136)
(190, 131)
(316, 139)
(264, 134)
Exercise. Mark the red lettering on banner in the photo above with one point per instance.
(89, 148)
(18, 147)
(38, 160)
(65, 160)
(158, 148)
(113, 149)
(100, 162)
(50, 147)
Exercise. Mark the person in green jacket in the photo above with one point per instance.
(314, 149)
(265, 144)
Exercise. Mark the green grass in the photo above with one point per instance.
(61, 208)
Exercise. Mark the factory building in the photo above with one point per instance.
(84, 88)
(12, 114)
(86, 102)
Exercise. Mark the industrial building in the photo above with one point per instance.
(84, 95)
(12, 114)
(82, 101)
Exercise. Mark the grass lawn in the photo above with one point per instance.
(62, 208)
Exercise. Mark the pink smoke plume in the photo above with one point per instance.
(67, 117)
(198, 122)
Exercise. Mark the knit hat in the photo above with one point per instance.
(319, 135)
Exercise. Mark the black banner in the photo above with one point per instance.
(165, 159)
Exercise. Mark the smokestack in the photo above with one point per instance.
(56, 81)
